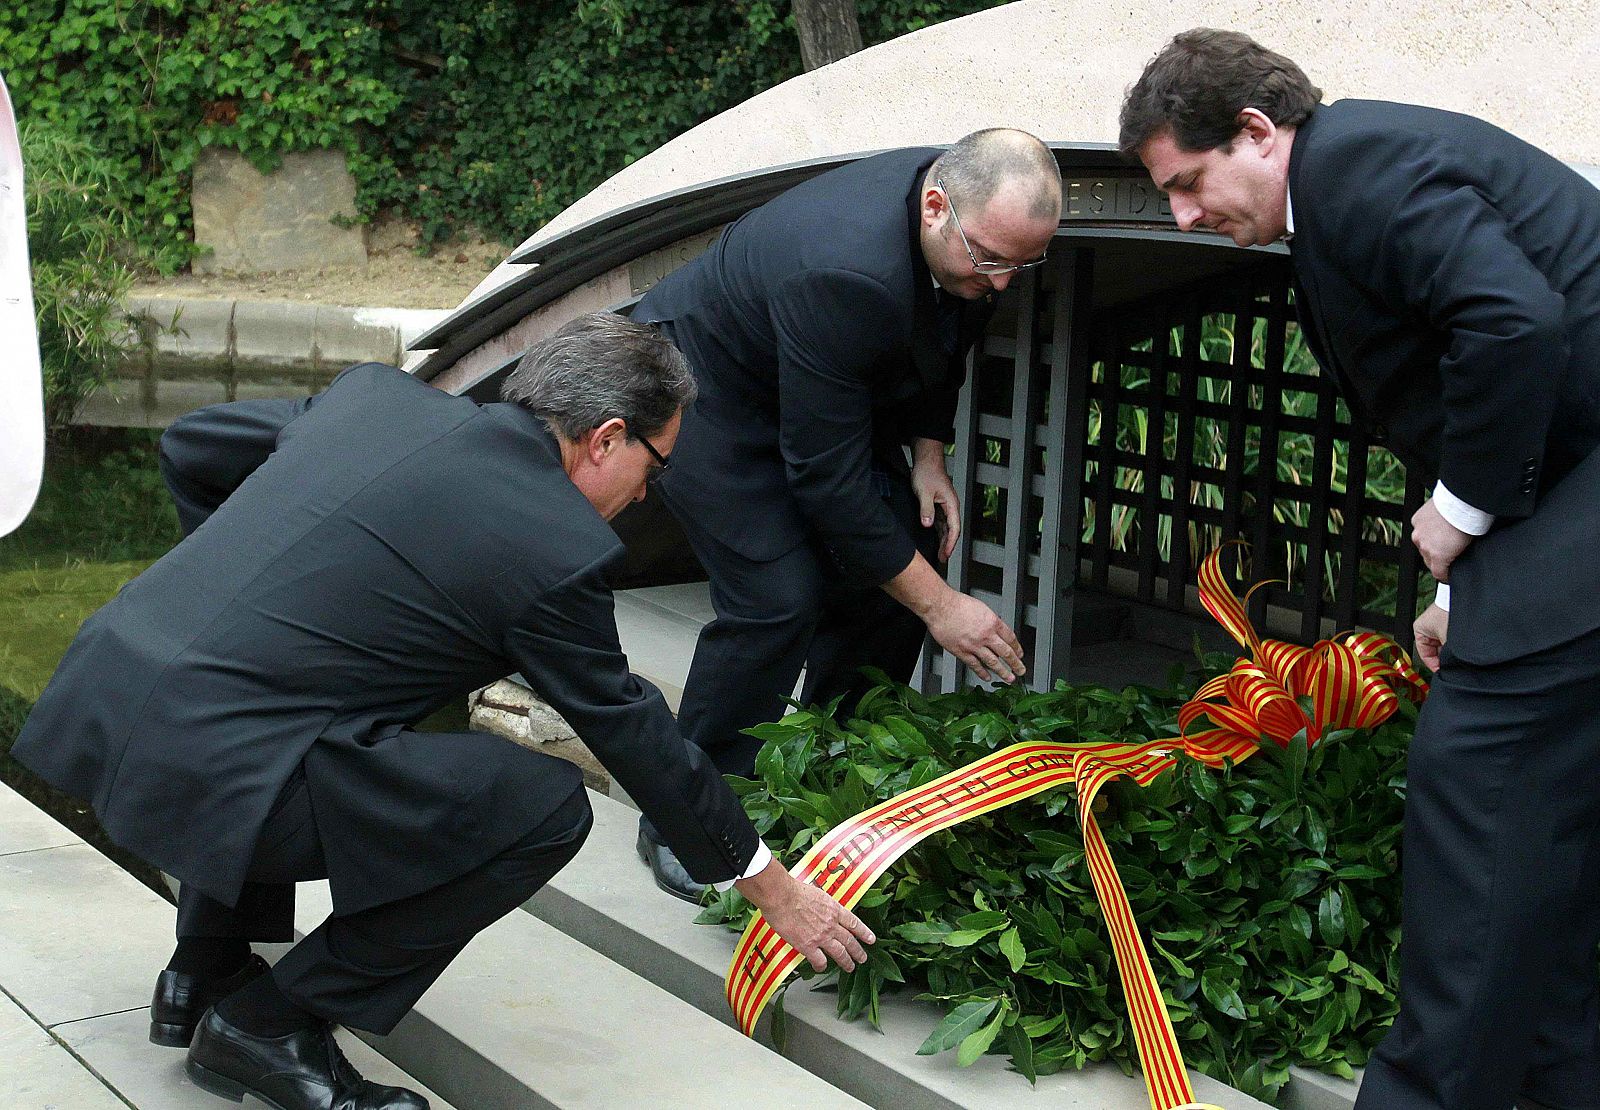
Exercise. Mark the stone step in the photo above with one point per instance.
(81, 943)
(195, 351)
(528, 1017)
(606, 899)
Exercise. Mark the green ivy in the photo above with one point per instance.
(495, 115)
(149, 82)
(1268, 893)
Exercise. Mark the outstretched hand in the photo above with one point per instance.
(974, 634)
(808, 918)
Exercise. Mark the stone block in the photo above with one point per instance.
(24, 827)
(1315, 1090)
(119, 403)
(185, 336)
(273, 336)
(117, 1048)
(174, 398)
(93, 940)
(528, 1017)
(38, 1072)
(254, 222)
(409, 322)
(344, 336)
(512, 710)
(279, 387)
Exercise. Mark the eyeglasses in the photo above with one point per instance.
(662, 461)
(982, 267)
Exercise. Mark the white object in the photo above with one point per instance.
(21, 386)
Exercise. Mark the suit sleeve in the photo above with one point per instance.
(208, 454)
(933, 414)
(834, 328)
(567, 648)
(1446, 256)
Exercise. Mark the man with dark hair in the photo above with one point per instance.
(829, 330)
(241, 715)
(1448, 275)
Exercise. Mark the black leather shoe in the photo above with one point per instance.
(669, 873)
(302, 1071)
(180, 999)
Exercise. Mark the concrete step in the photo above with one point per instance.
(195, 351)
(658, 627)
(528, 1017)
(80, 946)
(606, 899)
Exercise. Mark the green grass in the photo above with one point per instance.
(103, 501)
(41, 609)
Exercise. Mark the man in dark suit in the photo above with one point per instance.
(828, 330)
(241, 714)
(1448, 275)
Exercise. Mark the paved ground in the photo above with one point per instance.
(81, 943)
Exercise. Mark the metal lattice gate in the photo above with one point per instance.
(1104, 448)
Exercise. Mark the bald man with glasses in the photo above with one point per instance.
(828, 330)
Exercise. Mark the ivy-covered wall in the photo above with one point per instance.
(493, 113)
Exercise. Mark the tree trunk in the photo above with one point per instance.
(829, 30)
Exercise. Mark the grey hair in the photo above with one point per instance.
(601, 366)
(979, 165)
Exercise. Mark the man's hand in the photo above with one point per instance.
(936, 494)
(964, 626)
(1430, 631)
(1439, 541)
(808, 918)
(970, 630)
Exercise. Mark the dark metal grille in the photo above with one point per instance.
(1103, 449)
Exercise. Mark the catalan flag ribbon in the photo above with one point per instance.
(1354, 683)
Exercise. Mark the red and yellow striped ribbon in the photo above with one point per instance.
(1258, 700)
(1353, 682)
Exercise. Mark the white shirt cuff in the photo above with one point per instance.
(1441, 597)
(758, 863)
(1474, 522)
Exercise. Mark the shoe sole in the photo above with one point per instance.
(223, 1087)
(170, 1034)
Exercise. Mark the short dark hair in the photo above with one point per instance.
(975, 168)
(600, 366)
(1200, 82)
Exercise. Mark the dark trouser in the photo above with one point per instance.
(1501, 872)
(775, 617)
(367, 969)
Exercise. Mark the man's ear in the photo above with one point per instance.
(1257, 129)
(934, 204)
(604, 439)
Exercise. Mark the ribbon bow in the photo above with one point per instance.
(1353, 682)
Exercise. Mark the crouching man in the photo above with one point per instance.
(241, 714)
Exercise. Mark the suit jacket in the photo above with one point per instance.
(814, 330)
(373, 553)
(1448, 274)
